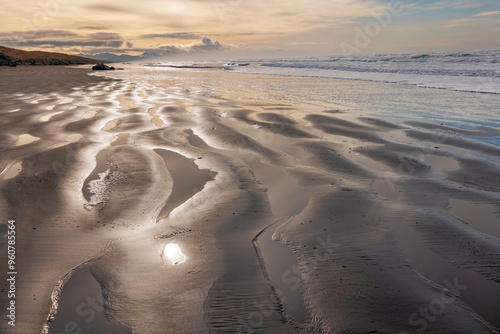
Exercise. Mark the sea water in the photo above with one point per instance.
(460, 90)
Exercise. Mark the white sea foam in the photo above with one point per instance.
(473, 72)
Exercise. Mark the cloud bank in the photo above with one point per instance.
(93, 44)
(316, 27)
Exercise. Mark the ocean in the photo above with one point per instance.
(452, 89)
(471, 72)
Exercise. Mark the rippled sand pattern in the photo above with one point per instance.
(137, 170)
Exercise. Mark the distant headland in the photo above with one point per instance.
(14, 57)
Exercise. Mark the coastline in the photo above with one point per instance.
(14, 57)
(364, 202)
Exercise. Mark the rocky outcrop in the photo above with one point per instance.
(7, 61)
(102, 67)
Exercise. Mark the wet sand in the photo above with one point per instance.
(184, 208)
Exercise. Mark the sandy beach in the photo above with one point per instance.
(160, 201)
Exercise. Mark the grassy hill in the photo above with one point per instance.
(13, 57)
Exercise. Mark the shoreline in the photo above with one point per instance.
(207, 161)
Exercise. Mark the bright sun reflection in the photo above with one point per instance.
(174, 254)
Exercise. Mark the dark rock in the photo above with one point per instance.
(5, 60)
(102, 67)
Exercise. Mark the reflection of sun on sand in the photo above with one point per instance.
(121, 139)
(90, 114)
(153, 110)
(127, 104)
(173, 253)
(67, 100)
(25, 139)
(11, 171)
(110, 125)
(46, 118)
(72, 138)
(156, 120)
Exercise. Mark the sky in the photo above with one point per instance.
(233, 29)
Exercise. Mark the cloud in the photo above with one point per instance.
(109, 9)
(206, 44)
(101, 42)
(41, 34)
(176, 35)
(166, 50)
(105, 36)
(58, 44)
(447, 4)
(471, 20)
(459, 22)
(93, 28)
(488, 14)
(54, 39)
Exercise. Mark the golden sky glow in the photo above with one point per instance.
(317, 27)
